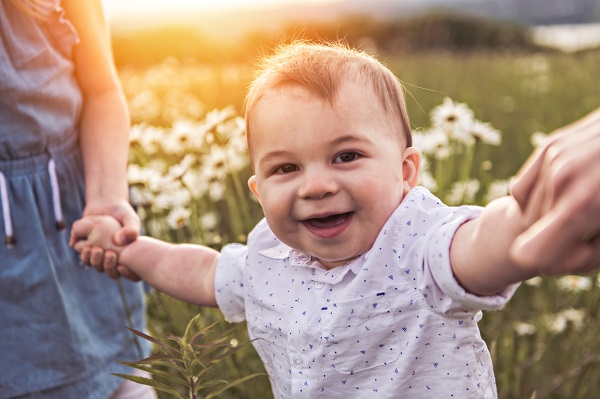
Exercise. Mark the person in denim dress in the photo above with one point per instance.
(63, 153)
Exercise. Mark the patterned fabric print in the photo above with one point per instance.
(392, 323)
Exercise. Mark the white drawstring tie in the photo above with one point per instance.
(5, 204)
(8, 230)
(58, 217)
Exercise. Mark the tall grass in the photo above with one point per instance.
(544, 343)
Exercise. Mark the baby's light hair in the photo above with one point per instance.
(322, 68)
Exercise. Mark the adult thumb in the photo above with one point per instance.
(129, 231)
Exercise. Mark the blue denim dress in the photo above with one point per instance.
(61, 325)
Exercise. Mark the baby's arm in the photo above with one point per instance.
(480, 249)
(555, 227)
(183, 271)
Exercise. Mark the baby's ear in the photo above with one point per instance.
(411, 166)
(253, 187)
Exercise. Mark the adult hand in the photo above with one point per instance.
(558, 191)
(121, 210)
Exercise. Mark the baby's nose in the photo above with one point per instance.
(317, 184)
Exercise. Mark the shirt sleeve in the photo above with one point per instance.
(443, 291)
(229, 282)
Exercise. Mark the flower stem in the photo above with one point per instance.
(128, 315)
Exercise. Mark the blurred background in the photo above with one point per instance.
(519, 68)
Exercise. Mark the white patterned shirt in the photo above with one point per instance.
(393, 323)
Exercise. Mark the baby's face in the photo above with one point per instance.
(328, 177)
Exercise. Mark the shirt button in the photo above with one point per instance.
(319, 285)
(298, 363)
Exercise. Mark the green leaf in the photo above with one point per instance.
(231, 385)
(210, 384)
(188, 330)
(166, 374)
(155, 341)
(151, 383)
(145, 336)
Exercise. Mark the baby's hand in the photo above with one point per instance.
(95, 234)
(95, 231)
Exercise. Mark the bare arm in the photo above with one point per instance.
(480, 249)
(183, 271)
(104, 128)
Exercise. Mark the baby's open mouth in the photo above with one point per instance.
(327, 222)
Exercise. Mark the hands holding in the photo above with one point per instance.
(106, 226)
(558, 190)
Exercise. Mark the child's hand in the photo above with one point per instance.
(557, 190)
(122, 211)
(94, 234)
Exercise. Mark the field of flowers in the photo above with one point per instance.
(476, 117)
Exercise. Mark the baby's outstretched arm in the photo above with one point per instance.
(183, 271)
(551, 224)
(480, 250)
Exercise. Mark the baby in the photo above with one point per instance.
(357, 283)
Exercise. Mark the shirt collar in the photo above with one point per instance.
(319, 273)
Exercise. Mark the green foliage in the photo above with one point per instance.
(168, 316)
(186, 361)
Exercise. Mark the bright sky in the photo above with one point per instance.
(116, 9)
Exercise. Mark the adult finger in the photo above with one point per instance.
(128, 274)
(110, 264)
(97, 258)
(557, 240)
(125, 235)
(522, 185)
(130, 230)
(552, 180)
(575, 135)
(85, 255)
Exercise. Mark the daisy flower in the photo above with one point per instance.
(451, 117)
(522, 329)
(574, 283)
(575, 317)
(463, 191)
(179, 138)
(151, 139)
(432, 142)
(172, 196)
(139, 175)
(214, 165)
(556, 323)
(485, 133)
(209, 220)
(178, 218)
(497, 189)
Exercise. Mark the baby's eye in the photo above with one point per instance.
(287, 168)
(346, 157)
